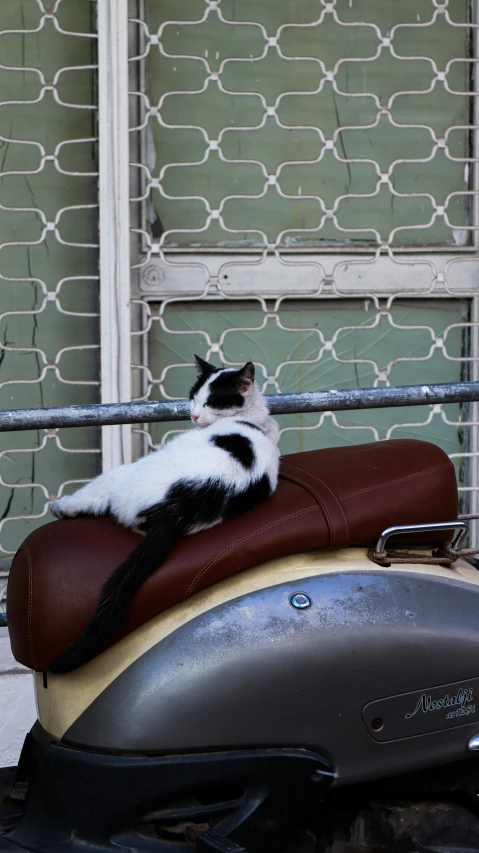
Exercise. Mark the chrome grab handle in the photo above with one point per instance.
(460, 526)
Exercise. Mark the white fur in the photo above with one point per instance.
(127, 491)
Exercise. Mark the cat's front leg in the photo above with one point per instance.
(92, 499)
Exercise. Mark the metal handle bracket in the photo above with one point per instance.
(460, 526)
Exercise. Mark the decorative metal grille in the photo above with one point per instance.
(304, 194)
(48, 251)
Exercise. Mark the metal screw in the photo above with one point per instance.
(153, 275)
(300, 601)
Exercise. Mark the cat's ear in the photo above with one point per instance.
(203, 366)
(246, 377)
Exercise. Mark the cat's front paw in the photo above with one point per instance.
(62, 508)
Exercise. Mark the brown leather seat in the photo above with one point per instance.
(332, 497)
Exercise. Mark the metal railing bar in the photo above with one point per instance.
(279, 404)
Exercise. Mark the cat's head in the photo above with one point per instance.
(221, 392)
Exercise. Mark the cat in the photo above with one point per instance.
(198, 479)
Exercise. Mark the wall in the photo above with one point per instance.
(17, 704)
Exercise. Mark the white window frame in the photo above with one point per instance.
(114, 194)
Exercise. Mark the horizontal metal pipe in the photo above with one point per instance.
(279, 404)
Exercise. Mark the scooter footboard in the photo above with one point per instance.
(74, 798)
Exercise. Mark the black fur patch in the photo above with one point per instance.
(238, 446)
(224, 391)
(186, 505)
(202, 378)
(255, 494)
(225, 401)
(253, 426)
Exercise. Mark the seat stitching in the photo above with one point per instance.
(321, 503)
(214, 559)
(30, 605)
(331, 493)
(398, 480)
(345, 519)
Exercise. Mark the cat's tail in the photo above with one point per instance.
(115, 599)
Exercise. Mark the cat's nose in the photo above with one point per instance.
(195, 418)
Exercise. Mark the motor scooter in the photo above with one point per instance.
(283, 682)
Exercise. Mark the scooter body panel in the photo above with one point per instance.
(236, 711)
(256, 672)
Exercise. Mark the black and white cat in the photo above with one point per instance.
(195, 481)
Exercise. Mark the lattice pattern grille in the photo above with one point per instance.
(304, 194)
(48, 250)
(330, 233)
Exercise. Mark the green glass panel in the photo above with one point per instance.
(48, 278)
(355, 126)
